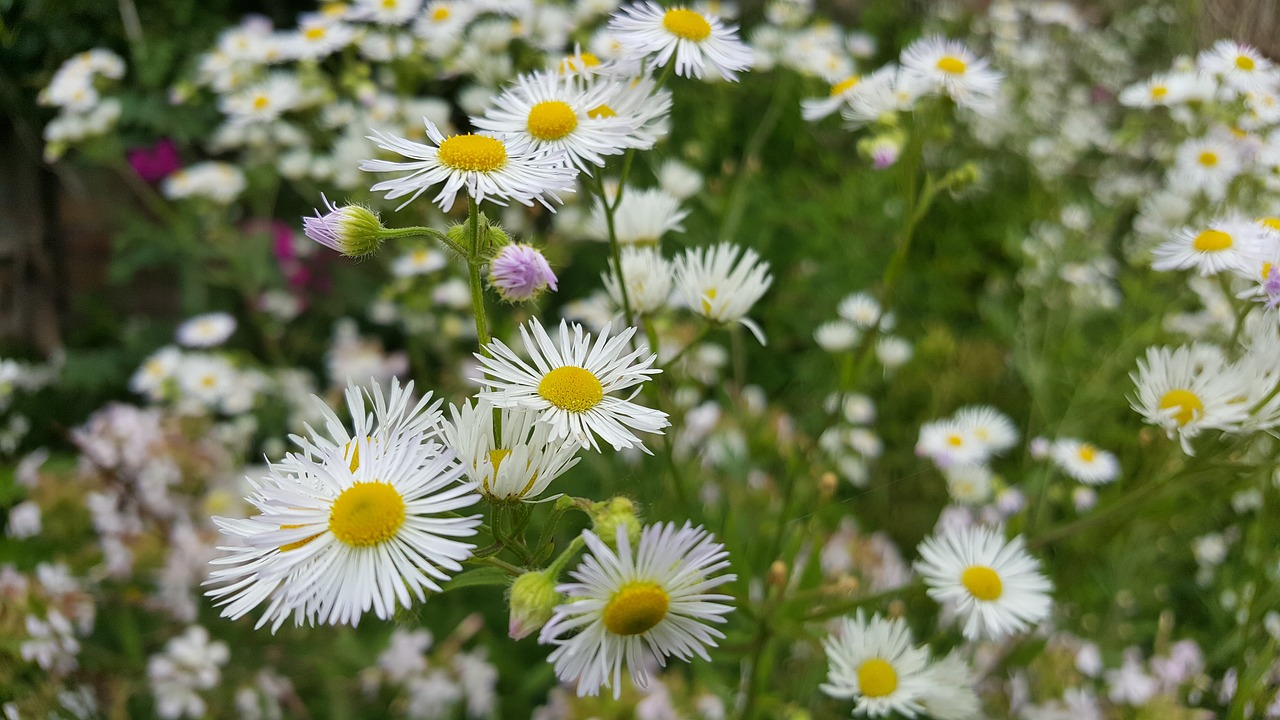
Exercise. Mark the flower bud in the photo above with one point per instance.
(520, 272)
(354, 230)
(608, 516)
(533, 600)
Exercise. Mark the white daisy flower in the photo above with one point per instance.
(1230, 244)
(837, 336)
(1207, 164)
(950, 68)
(441, 25)
(949, 693)
(487, 167)
(642, 103)
(1084, 461)
(265, 101)
(638, 606)
(385, 12)
(861, 309)
(989, 426)
(950, 444)
(519, 468)
(695, 40)
(349, 525)
(648, 278)
(814, 109)
(556, 112)
(874, 663)
(1240, 66)
(420, 261)
(208, 330)
(722, 283)
(1190, 389)
(320, 36)
(883, 93)
(156, 371)
(207, 380)
(642, 217)
(570, 381)
(996, 587)
(1152, 92)
(969, 484)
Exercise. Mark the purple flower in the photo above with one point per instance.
(155, 162)
(519, 272)
(1272, 286)
(352, 230)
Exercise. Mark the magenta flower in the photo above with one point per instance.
(155, 162)
(519, 272)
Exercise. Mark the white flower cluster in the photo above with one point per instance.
(189, 664)
(74, 90)
(434, 686)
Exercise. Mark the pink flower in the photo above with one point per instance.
(519, 272)
(156, 162)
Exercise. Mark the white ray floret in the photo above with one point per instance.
(722, 283)
(522, 465)
(1190, 389)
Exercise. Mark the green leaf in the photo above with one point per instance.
(479, 576)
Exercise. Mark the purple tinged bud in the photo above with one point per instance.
(352, 230)
(520, 272)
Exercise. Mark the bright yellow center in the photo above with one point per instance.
(473, 153)
(845, 84)
(389, 4)
(1159, 91)
(982, 582)
(314, 33)
(877, 678)
(1087, 452)
(571, 388)
(208, 381)
(260, 102)
(1208, 158)
(440, 14)
(952, 65)
(1244, 62)
(955, 440)
(298, 543)
(1212, 241)
(367, 514)
(601, 111)
(574, 63)
(496, 456)
(636, 608)
(1189, 406)
(1270, 222)
(686, 24)
(707, 297)
(552, 120)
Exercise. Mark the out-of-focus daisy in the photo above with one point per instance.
(556, 112)
(419, 261)
(950, 444)
(263, 102)
(569, 384)
(694, 39)
(952, 69)
(969, 484)
(1148, 93)
(1228, 244)
(648, 278)
(813, 109)
(487, 167)
(156, 371)
(989, 426)
(679, 180)
(861, 309)
(1240, 66)
(1206, 164)
(339, 533)
(642, 103)
(722, 283)
(642, 217)
(518, 468)
(874, 663)
(208, 330)
(319, 36)
(1190, 389)
(836, 336)
(996, 587)
(638, 606)
(1084, 461)
(385, 12)
(882, 94)
(948, 692)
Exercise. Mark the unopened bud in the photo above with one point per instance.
(533, 600)
(778, 574)
(827, 485)
(618, 512)
(353, 230)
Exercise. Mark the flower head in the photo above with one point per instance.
(520, 272)
(696, 40)
(353, 230)
(874, 663)
(723, 282)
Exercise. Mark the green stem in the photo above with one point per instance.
(477, 289)
(615, 248)
(410, 232)
(750, 156)
(513, 570)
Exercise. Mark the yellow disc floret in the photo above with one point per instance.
(686, 24)
(571, 388)
(845, 84)
(1188, 404)
(1246, 63)
(1212, 241)
(367, 514)
(982, 582)
(952, 65)
(474, 153)
(877, 678)
(552, 120)
(1087, 452)
(636, 608)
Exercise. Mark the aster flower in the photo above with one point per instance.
(996, 587)
(1085, 461)
(874, 663)
(353, 230)
(1228, 244)
(522, 465)
(642, 217)
(950, 68)
(1240, 67)
(1190, 389)
(486, 166)
(349, 525)
(520, 272)
(990, 427)
(638, 605)
(648, 279)
(208, 330)
(722, 283)
(695, 40)
(814, 109)
(569, 384)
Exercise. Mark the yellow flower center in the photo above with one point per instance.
(334, 9)
(389, 4)
(473, 153)
(877, 678)
(208, 381)
(952, 65)
(440, 14)
(686, 24)
(1159, 91)
(574, 63)
(1188, 404)
(1208, 158)
(1212, 241)
(707, 297)
(1087, 452)
(314, 33)
(1266, 270)
(1244, 62)
(636, 608)
(298, 543)
(367, 514)
(260, 102)
(601, 111)
(845, 84)
(982, 582)
(1270, 222)
(571, 388)
(552, 120)
(955, 440)
(496, 456)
